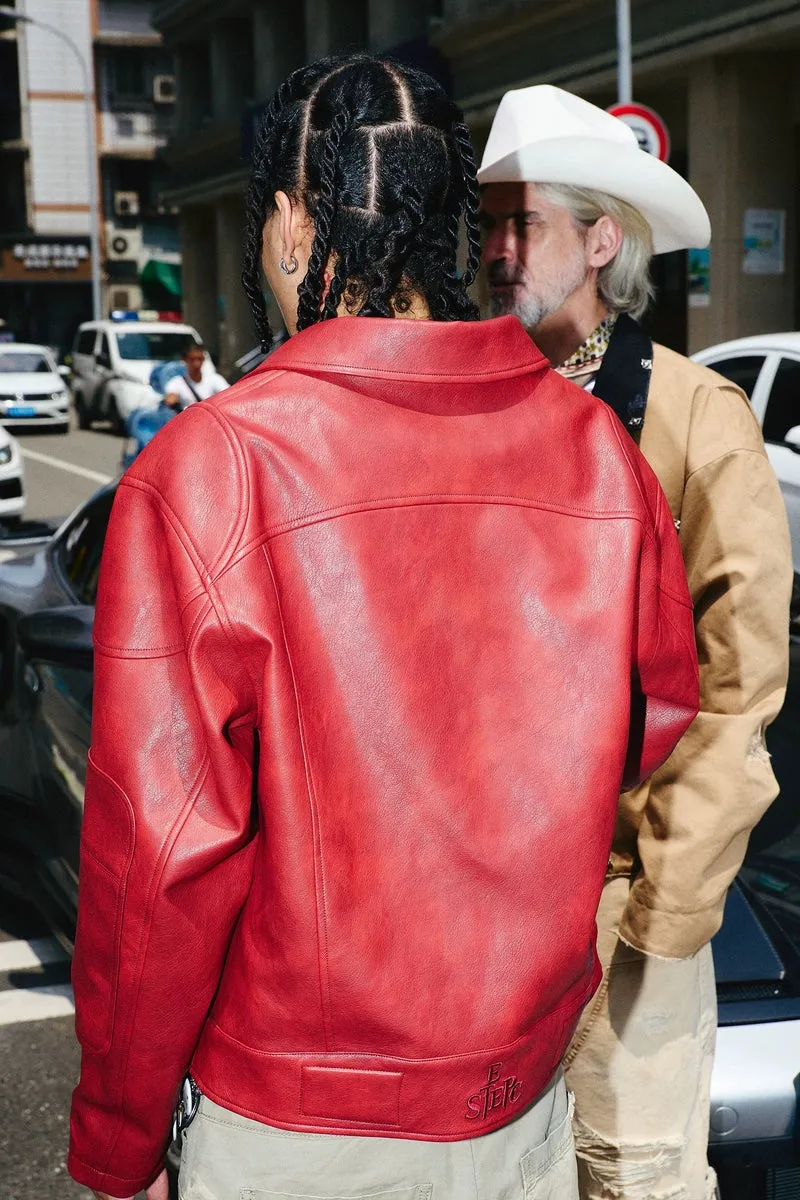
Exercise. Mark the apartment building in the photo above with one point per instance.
(45, 250)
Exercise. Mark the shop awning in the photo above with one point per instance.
(162, 274)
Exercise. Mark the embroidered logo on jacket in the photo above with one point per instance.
(497, 1093)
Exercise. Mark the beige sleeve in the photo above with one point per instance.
(706, 799)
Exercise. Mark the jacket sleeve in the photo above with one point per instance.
(664, 695)
(167, 841)
(704, 802)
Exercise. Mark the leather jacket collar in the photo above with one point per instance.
(407, 349)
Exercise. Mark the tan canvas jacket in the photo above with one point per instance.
(683, 834)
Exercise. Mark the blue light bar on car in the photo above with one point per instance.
(121, 314)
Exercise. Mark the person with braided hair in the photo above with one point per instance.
(404, 588)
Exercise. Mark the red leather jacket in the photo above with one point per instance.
(365, 637)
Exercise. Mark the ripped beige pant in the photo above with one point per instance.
(640, 1068)
(228, 1157)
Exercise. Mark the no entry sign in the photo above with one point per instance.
(651, 132)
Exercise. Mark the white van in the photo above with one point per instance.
(111, 365)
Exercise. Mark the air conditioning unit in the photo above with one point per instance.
(123, 298)
(164, 90)
(126, 204)
(123, 244)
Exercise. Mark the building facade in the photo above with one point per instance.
(719, 73)
(230, 57)
(45, 252)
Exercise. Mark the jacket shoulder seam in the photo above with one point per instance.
(217, 606)
(620, 434)
(231, 544)
(185, 539)
(712, 462)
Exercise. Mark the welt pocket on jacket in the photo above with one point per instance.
(106, 853)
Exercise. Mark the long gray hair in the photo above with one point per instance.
(624, 284)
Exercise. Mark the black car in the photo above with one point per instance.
(47, 594)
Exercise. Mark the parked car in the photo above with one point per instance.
(33, 389)
(12, 479)
(47, 595)
(767, 369)
(112, 362)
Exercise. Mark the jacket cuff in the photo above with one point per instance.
(666, 934)
(112, 1185)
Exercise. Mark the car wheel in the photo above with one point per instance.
(84, 416)
(117, 422)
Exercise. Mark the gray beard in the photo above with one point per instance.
(531, 309)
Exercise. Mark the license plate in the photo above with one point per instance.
(20, 410)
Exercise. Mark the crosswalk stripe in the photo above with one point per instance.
(36, 1003)
(38, 952)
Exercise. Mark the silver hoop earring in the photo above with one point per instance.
(290, 270)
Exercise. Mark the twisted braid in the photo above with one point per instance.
(310, 290)
(381, 161)
(258, 198)
(459, 132)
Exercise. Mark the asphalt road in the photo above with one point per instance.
(63, 470)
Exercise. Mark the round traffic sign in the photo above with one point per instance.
(651, 132)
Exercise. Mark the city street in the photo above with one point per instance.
(62, 470)
(38, 1058)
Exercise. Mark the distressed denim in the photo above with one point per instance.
(228, 1157)
(640, 1068)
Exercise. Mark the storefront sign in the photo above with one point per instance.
(764, 241)
(45, 260)
(651, 132)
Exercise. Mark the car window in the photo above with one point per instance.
(82, 545)
(783, 406)
(85, 342)
(26, 362)
(151, 347)
(103, 350)
(743, 371)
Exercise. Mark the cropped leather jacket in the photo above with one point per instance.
(380, 632)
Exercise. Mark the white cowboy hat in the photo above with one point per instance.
(543, 134)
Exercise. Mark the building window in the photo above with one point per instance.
(128, 75)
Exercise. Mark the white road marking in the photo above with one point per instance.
(38, 952)
(62, 465)
(36, 1003)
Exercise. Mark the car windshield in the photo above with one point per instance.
(25, 362)
(151, 347)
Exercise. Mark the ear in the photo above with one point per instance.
(287, 219)
(603, 242)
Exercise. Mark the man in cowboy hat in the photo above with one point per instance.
(573, 212)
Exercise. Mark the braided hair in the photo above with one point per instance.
(382, 161)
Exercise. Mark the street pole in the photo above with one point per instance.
(91, 148)
(624, 63)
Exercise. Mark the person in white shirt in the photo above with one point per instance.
(196, 384)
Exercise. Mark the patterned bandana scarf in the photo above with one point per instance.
(587, 359)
